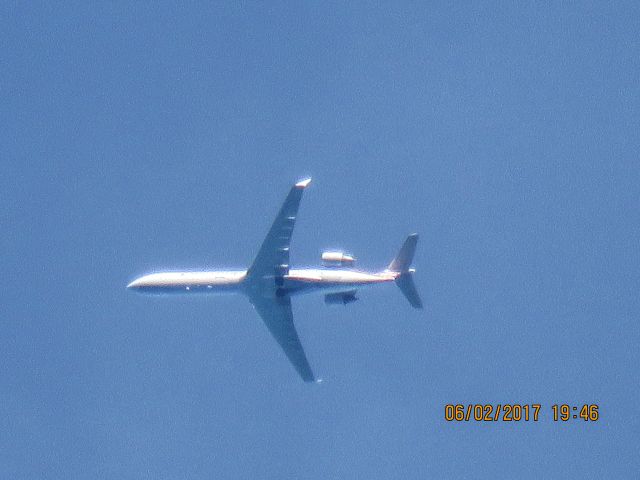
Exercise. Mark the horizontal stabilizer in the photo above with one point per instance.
(408, 289)
(403, 260)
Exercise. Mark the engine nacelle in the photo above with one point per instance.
(337, 259)
(341, 298)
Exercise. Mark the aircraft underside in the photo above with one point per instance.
(269, 283)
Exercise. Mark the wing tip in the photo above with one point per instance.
(303, 183)
(311, 379)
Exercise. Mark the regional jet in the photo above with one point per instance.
(269, 283)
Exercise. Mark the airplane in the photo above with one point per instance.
(269, 283)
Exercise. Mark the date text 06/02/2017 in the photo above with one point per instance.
(515, 412)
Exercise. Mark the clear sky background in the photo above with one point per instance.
(148, 136)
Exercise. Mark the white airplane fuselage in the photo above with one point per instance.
(297, 281)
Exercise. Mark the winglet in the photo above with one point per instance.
(303, 183)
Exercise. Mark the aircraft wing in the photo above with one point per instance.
(273, 257)
(278, 317)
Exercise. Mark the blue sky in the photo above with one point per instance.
(145, 136)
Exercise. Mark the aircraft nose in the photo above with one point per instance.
(135, 284)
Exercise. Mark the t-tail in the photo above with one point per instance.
(401, 265)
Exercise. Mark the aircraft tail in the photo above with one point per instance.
(401, 265)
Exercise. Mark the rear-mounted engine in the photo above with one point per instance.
(337, 259)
